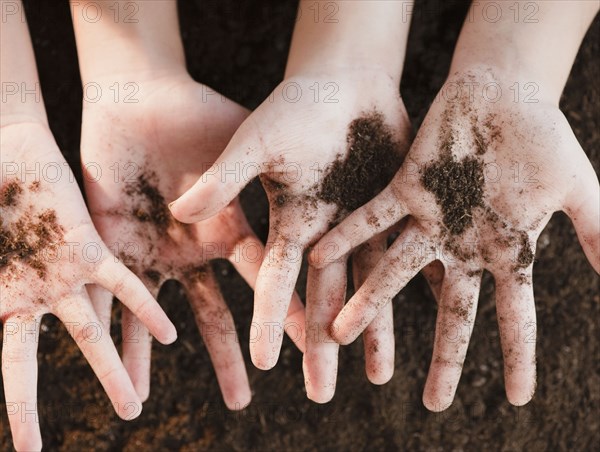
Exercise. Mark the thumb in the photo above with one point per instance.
(583, 207)
(239, 163)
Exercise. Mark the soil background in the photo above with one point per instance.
(240, 49)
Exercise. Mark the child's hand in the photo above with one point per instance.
(152, 151)
(49, 251)
(480, 183)
(318, 159)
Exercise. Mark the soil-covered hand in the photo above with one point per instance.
(322, 146)
(151, 151)
(49, 251)
(480, 183)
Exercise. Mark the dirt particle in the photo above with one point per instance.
(373, 221)
(280, 200)
(473, 273)
(9, 194)
(370, 164)
(276, 190)
(149, 205)
(461, 312)
(374, 348)
(480, 144)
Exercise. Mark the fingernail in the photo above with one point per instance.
(171, 336)
(171, 205)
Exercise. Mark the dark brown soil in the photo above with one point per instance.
(9, 194)
(525, 256)
(239, 49)
(149, 205)
(458, 189)
(372, 160)
(277, 190)
(25, 239)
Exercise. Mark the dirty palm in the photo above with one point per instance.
(466, 209)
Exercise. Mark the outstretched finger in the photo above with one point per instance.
(137, 342)
(102, 302)
(19, 371)
(456, 315)
(118, 279)
(247, 259)
(407, 255)
(274, 290)
(137, 352)
(325, 292)
(378, 215)
(240, 162)
(217, 328)
(378, 337)
(515, 307)
(97, 346)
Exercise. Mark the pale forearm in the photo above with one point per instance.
(21, 92)
(534, 41)
(347, 35)
(124, 38)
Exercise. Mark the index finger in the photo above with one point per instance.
(378, 215)
(407, 255)
(247, 260)
(132, 292)
(19, 371)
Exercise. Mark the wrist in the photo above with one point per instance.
(20, 87)
(128, 39)
(350, 36)
(530, 43)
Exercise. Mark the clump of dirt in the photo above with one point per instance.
(373, 221)
(480, 143)
(34, 186)
(276, 191)
(149, 205)
(525, 256)
(372, 160)
(9, 194)
(458, 186)
(26, 240)
(458, 189)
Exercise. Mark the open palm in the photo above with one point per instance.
(149, 152)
